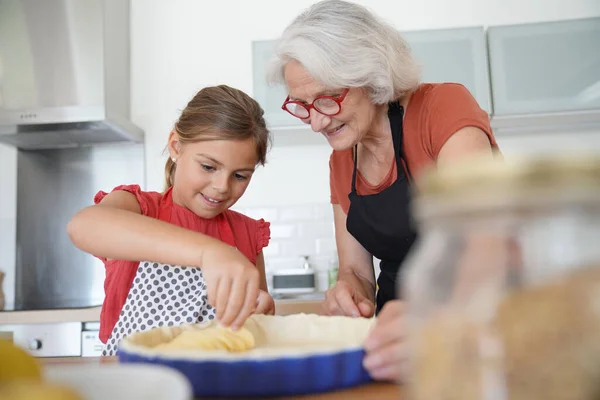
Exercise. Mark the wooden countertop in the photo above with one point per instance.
(92, 314)
(379, 391)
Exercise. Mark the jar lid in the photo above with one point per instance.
(521, 180)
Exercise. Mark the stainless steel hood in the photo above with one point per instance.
(65, 73)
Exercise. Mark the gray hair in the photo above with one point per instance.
(344, 45)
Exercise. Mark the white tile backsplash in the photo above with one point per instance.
(298, 247)
(268, 214)
(278, 263)
(297, 231)
(321, 263)
(272, 250)
(324, 212)
(326, 246)
(283, 231)
(316, 229)
(298, 213)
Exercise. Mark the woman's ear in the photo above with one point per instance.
(174, 145)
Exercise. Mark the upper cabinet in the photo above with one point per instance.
(445, 55)
(528, 77)
(545, 67)
(454, 55)
(269, 97)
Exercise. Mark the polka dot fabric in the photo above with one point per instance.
(248, 235)
(161, 295)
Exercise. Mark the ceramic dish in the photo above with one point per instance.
(294, 354)
(121, 382)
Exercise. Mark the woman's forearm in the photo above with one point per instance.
(120, 234)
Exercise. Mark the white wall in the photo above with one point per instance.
(179, 46)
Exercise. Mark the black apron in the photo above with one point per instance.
(382, 222)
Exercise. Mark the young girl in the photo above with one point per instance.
(199, 259)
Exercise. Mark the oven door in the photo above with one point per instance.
(46, 340)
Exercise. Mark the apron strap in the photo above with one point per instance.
(355, 168)
(396, 116)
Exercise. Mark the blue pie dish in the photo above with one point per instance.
(294, 355)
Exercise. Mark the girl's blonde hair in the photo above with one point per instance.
(221, 113)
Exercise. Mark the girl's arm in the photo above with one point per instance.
(116, 229)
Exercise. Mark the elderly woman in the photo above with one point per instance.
(351, 76)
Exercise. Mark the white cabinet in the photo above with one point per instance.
(269, 97)
(454, 55)
(445, 55)
(545, 67)
(60, 339)
(539, 76)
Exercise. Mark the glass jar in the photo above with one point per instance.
(503, 284)
(332, 272)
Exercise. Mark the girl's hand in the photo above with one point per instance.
(265, 304)
(232, 283)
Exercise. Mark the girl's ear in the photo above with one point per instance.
(174, 145)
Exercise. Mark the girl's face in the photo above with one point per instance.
(211, 175)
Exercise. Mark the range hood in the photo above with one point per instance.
(65, 73)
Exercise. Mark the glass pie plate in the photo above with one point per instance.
(293, 355)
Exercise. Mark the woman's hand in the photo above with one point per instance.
(344, 299)
(265, 304)
(386, 348)
(232, 283)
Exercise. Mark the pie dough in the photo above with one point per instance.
(262, 336)
(213, 337)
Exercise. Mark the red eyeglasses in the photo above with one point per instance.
(326, 105)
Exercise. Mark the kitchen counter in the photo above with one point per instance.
(283, 306)
(90, 314)
(379, 391)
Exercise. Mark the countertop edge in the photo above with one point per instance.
(92, 314)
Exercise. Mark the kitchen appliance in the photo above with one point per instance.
(295, 280)
(50, 272)
(56, 339)
(91, 346)
(62, 339)
(65, 105)
(65, 73)
(53, 185)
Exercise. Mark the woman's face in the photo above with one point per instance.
(343, 130)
